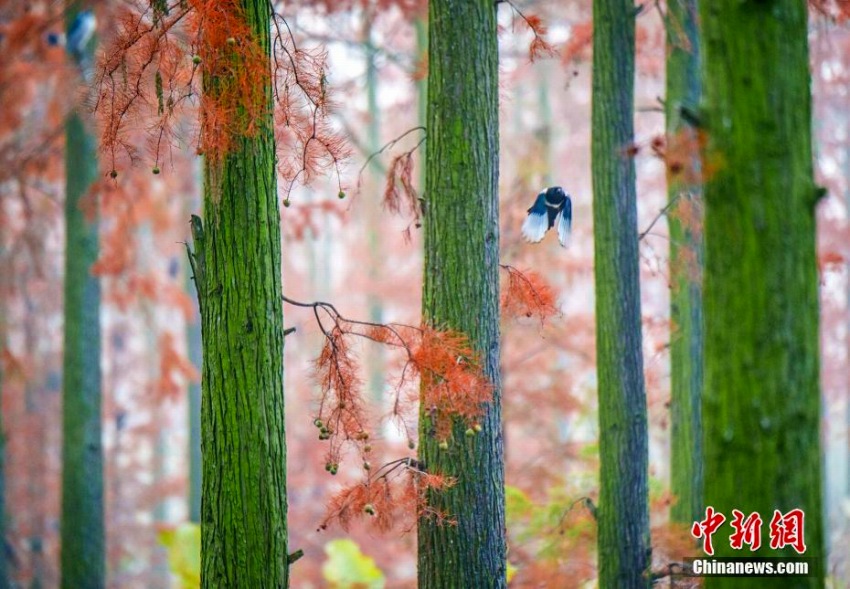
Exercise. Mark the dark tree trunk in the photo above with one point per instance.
(461, 286)
(686, 259)
(623, 512)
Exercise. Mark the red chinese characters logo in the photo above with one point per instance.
(747, 531)
(787, 530)
(706, 528)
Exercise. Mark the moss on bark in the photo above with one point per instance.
(243, 505)
(461, 286)
(761, 405)
(623, 512)
(686, 259)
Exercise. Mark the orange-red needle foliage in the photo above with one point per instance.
(438, 368)
(195, 75)
(396, 498)
(527, 295)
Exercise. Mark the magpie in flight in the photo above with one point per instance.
(80, 33)
(552, 207)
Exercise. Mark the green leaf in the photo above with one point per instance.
(183, 544)
(348, 568)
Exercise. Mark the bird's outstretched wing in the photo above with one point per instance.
(537, 222)
(564, 222)
(80, 33)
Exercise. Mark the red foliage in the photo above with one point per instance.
(396, 496)
(452, 387)
(453, 383)
(36, 91)
(539, 46)
(201, 62)
(527, 295)
(403, 201)
(400, 196)
(839, 10)
(581, 39)
(341, 415)
(686, 155)
(174, 369)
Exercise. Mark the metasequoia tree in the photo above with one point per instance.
(234, 65)
(761, 404)
(83, 561)
(685, 223)
(461, 289)
(623, 511)
(237, 270)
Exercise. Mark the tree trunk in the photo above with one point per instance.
(761, 405)
(83, 561)
(243, 511)
(686, 259)
(461, 287)
(623, 513)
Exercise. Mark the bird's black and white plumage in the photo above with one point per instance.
(80, 33)
(553, 208)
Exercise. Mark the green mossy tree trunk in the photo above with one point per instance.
(686, 258)
(461, 287)
(83, 560)
(243, 505)
(623, 511)
(761, 403)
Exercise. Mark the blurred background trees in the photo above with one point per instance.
(549, 374)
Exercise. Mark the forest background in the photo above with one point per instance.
(367, 261)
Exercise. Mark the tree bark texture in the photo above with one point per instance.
(623, 513)
(761, 404)
(686, 260)
(461, 287)
(83, 557)
(238, 273)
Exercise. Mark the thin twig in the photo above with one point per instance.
(390, 144)
(660, 214)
